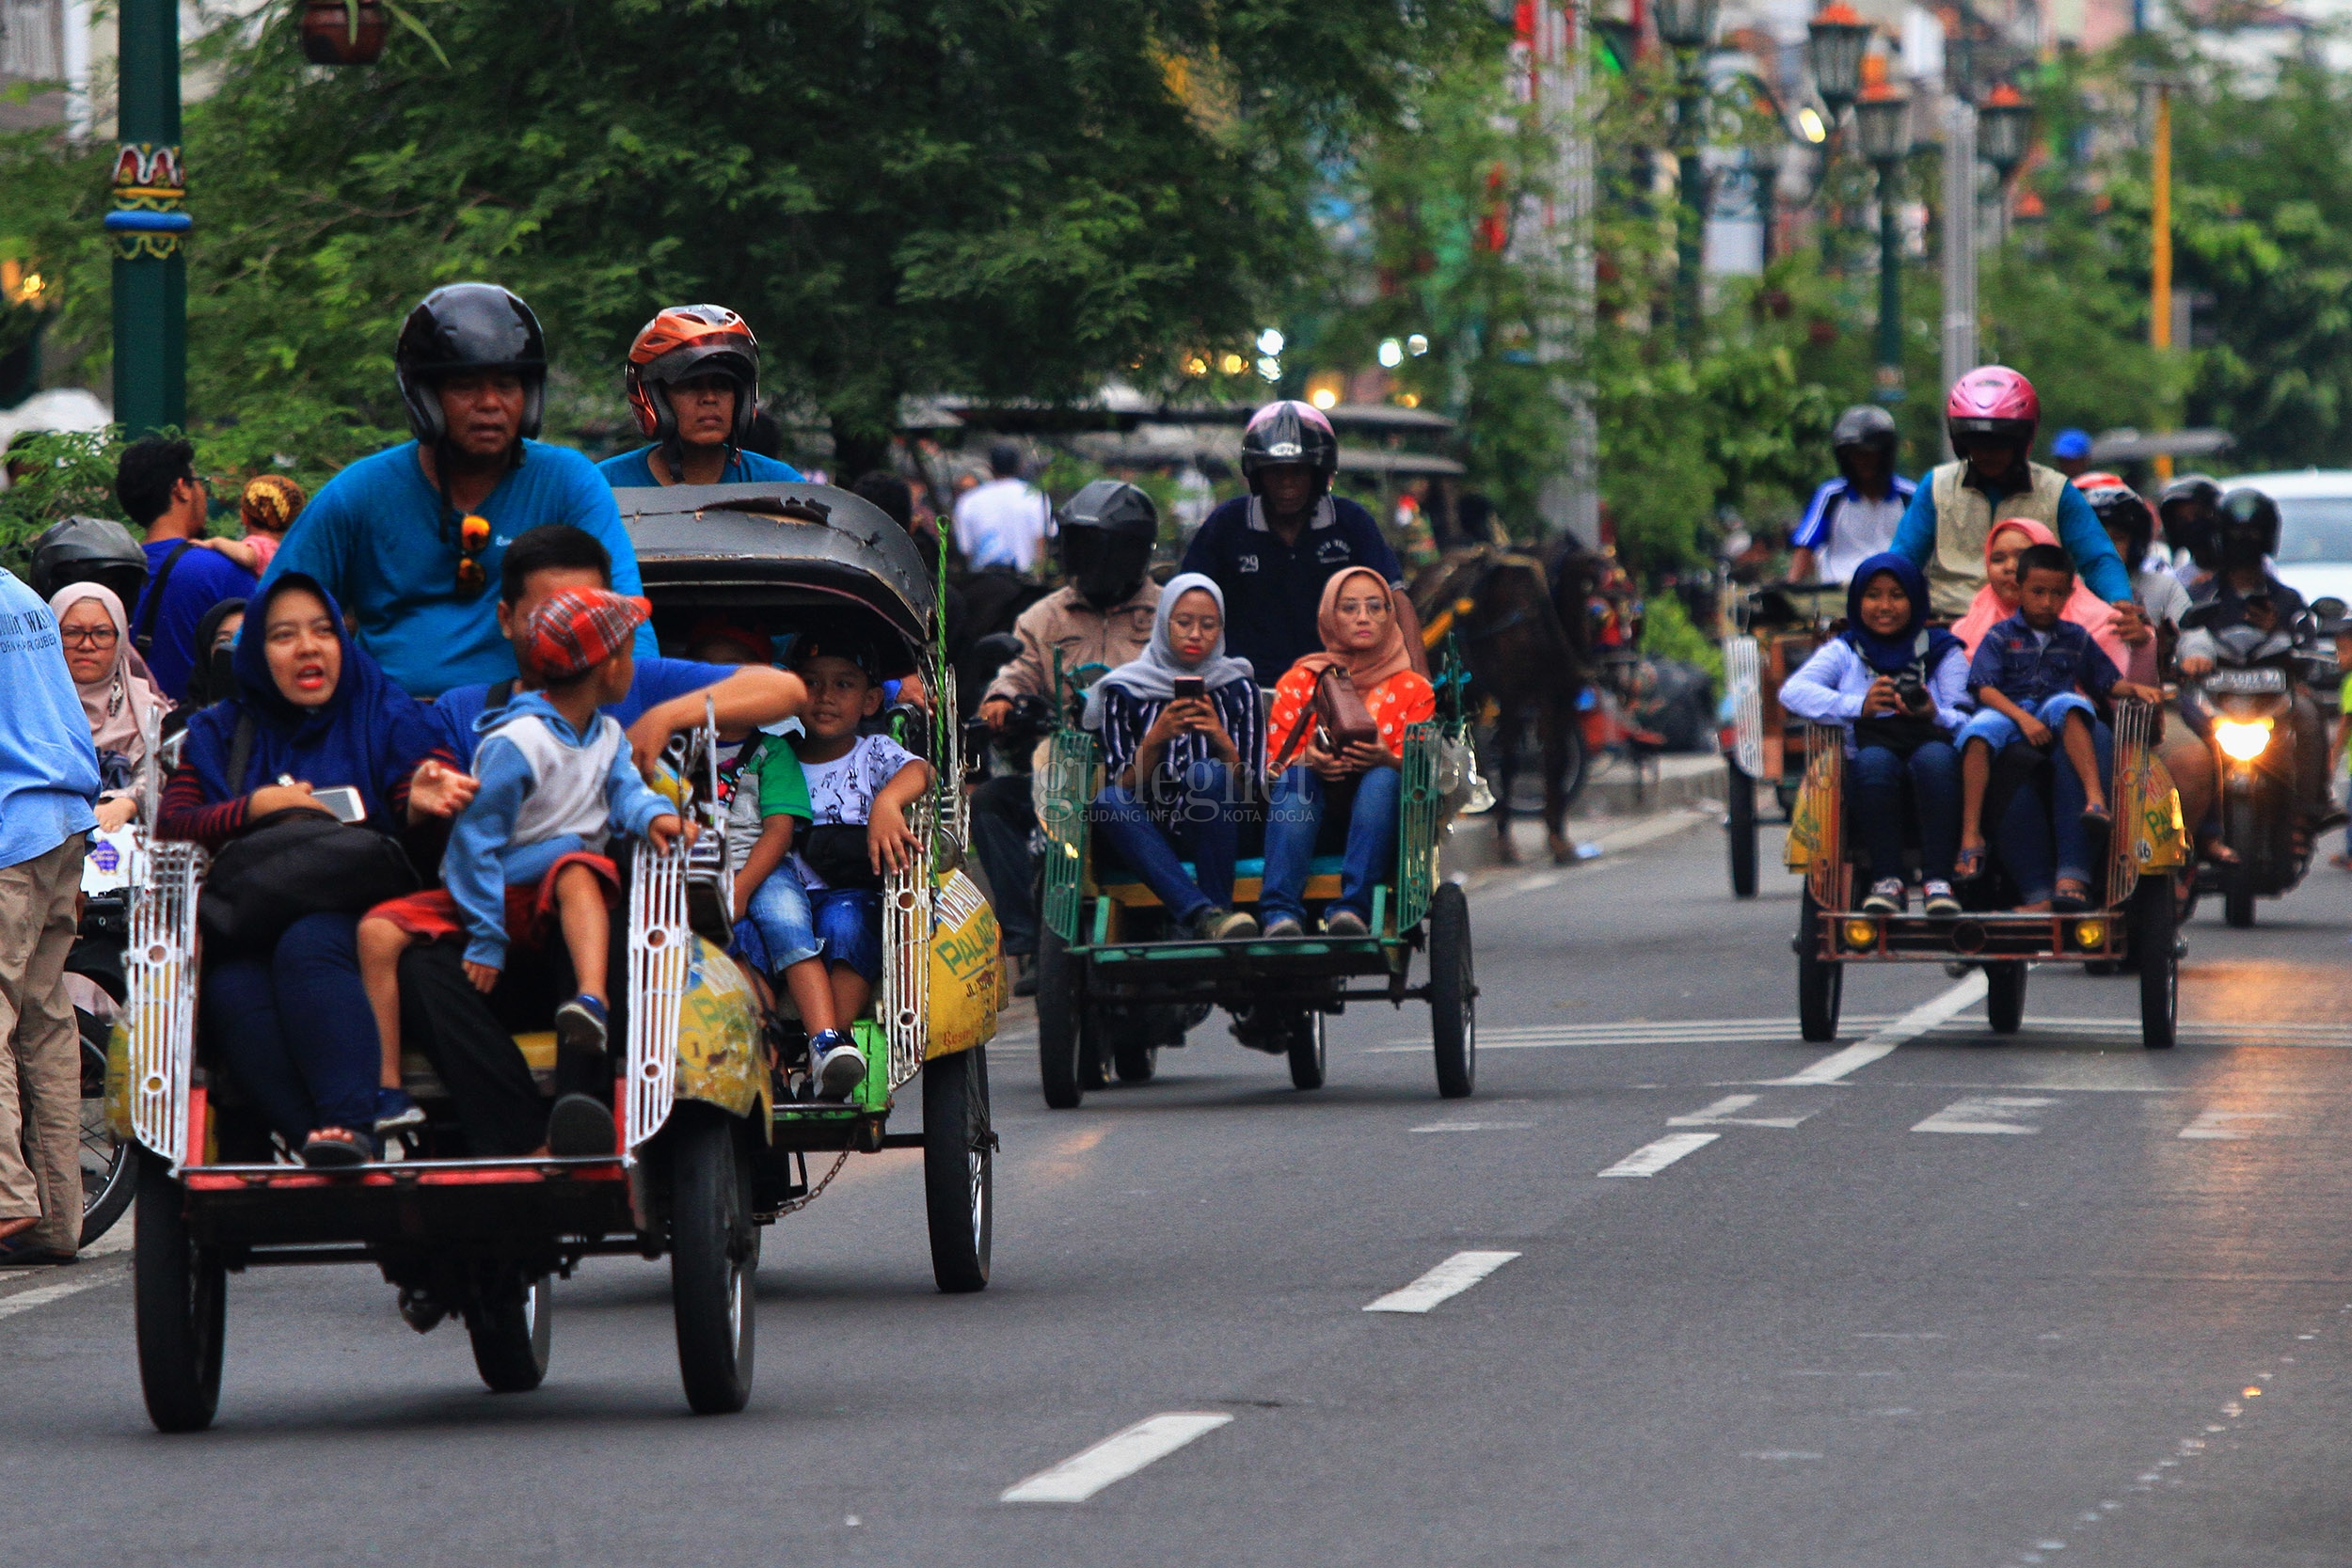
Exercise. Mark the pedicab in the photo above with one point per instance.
(1780, 626)
(2131, 920)
(708, 1152)
(1109, 969)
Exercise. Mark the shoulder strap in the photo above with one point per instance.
(498, 695)
(241, 748)
(143, 637)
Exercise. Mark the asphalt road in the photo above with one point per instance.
(2056, 1300)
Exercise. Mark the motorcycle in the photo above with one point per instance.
(2247, 702)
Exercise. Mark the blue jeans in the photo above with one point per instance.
(1933, 772)
(1295, 817)
(2040, 838)
(785, 932)
(847, 923)
(295, 1029)
(1205, 828)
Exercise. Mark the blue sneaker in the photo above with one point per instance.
(837, 1065)
(583, 1024)
(394, 1110)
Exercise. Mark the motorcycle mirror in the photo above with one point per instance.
(2329, 608)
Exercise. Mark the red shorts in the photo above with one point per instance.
(430, 916)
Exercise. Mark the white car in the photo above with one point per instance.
(2315, 527)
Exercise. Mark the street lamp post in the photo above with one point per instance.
(1834, 42)
(1883, 126)
(2004, 128)
(148, 223)
(1764, 167)
(1687, 26)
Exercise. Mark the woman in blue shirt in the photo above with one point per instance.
(694, 384)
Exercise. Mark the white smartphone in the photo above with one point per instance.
(342, 800)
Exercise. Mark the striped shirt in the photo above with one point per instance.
(1125, 717)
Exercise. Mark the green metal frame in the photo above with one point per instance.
(1068, 777)
(1417, 827)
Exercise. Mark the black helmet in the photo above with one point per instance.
(2246, 529)
(2121, 509)
(1108, 531)
(1289, 432)
(469, 327)
(2186, 507)
(90, 549)
(1864, 427)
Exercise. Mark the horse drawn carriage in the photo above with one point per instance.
(707, 1151)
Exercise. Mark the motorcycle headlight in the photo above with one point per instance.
(2242, 740)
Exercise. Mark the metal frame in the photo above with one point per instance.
(160, 964)
(1743, 687)
(659, 948)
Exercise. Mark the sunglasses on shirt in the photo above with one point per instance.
(474, 537)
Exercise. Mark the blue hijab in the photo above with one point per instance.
(1890, 655)
(369, 735)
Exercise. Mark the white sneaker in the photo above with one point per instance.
(1943, 903)
(1886, 898)
(840, 1066)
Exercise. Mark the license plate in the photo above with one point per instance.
(2245, 683)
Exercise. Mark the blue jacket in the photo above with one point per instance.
(2078, 529)
(48, 767)
(484, 859)
(2011, 662)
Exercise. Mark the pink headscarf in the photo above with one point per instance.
(2085, 608)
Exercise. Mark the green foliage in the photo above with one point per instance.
(1667, 633)
(61, 474)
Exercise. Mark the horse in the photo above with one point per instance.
(1498, 604)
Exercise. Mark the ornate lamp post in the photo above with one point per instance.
(1834, 47)
(1765, 160)
(1687, 26)
(2004, 128)
(1883, 125)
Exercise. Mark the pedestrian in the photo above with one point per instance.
(1002, 522)
(48, 780)
(157, 484)
(409, 540)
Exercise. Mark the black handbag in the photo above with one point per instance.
(291, 863)
(836, 852)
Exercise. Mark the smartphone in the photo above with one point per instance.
(1190, 686)
(342, 800)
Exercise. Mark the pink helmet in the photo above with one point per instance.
(1993, 403)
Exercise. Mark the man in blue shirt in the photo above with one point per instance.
(1272, 550)
(48, 778)
(410, 540)
(157, 484)
(694, 384)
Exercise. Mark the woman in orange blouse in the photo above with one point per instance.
(1362, 636)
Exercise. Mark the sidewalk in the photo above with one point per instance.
(1681, 791)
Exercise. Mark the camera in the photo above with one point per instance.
(1911, 690)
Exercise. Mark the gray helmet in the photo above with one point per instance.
(88, 549)
(1864, 427)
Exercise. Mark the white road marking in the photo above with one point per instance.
(1725, 1113)
(1918, 1021)
(1448, 1279)
(41, 1295)
(1650, 1159)
(1115, 1458)
(1471, 1126)
(1992, 1113)
(1695, 1031)
(2229, 1125)
(1865, 1030)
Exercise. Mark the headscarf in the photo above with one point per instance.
(369, 735)
(1890, 656)
(1366, 667)
(202, 690)
(117, 701)
(1151, 676)
(2085, 608)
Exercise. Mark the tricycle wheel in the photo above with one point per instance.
(714, 1254)
(1452, 992)
(1060, 1021)
(1305, 1033)
(1821, 985)
(2155, 942)
(180, 1293)
(110, 1171)
(959, 1168)
(512, 1327)
(1739, 829)
(2005, 996)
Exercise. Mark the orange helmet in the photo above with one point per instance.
(685, 342)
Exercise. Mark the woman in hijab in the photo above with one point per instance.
(1364, 639)
(316, 711)
(215, 675)
(1180, 765)
(117, 693)
(1900, 690)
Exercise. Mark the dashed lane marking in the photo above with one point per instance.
(2229, 1126)
(1651, 1158)
(1992, 1113)
(1444, 1282)
(1115, 1458)
(1472, 1127)
(1864, 1029)
(1918, 1021)
(41, 1295)
(1725, 1113)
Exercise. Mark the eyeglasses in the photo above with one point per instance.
(474, 537)
(90, 637)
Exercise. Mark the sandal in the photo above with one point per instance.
(2098, 816)
(2071, 896)
(336, 1149)
(1970, 864)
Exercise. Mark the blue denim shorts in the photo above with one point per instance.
(780, 931)
(1997, 729)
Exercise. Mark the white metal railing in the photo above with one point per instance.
(160, 966)
(1744, 686)
(906, 951)
(658, 977)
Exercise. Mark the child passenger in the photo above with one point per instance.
(266, 507)
(833, 821)
(1899, 689)
(556, 780)
(2025, 673)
